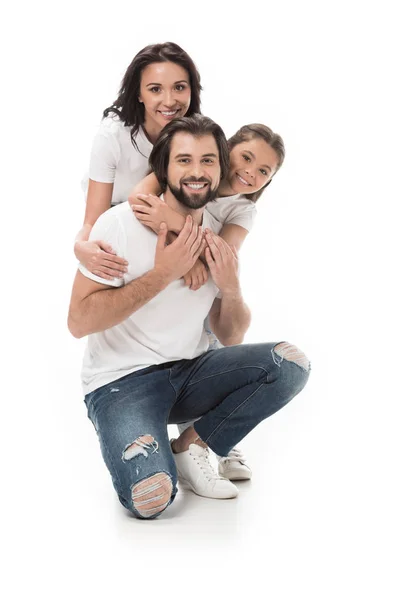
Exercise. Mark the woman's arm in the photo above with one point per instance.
(98, 201)
(96, 255)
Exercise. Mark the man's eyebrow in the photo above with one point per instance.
(209, 154)
(253, 156)
(155, 83)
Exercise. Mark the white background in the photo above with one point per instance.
(320, 269)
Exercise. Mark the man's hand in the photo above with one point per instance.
(175, 260)
(222, 260)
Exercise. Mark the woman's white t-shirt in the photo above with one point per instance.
(114, 158)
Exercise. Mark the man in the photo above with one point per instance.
(147, 364)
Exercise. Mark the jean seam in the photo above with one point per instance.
(172, 385)
(228, 371)
(113, 464)
(232, 413)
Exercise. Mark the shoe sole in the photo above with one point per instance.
(188, 485)
(235, 476)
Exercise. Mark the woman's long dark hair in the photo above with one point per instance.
(257, 130)
(127, 105)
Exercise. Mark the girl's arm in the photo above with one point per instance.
(234, 235)
(150, 209)
(148, 185)
(97, 256)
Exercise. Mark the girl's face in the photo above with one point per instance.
(252, 164)
(165, 93)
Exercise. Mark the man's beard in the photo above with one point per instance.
(193, 200)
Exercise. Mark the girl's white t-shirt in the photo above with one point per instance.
(234, 210)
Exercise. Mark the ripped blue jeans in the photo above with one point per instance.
(229, 390)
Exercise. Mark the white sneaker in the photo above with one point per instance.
(195, 471)
(233, 466)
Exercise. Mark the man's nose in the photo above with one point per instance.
(197, 170)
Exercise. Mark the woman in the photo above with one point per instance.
(256, 154)
(160, 84)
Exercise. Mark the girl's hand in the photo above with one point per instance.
(153, 213)
(197, 276)
(223, 262)
(100, 259)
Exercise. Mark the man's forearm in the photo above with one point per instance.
(107, 308)
(233, 320)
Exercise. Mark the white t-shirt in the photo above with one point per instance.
(234, 210)
(114, 158)
(169, 327)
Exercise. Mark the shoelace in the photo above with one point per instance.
(203, 461)
(234, 455)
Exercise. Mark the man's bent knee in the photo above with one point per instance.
(152, 495)
(289, 352)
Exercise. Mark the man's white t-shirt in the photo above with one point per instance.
(114, 158)
(169, 327)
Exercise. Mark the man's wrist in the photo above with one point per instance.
(233, 294)
(161, 276)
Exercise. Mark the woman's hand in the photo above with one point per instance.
(153, 213)
(197, 276)
(100, 259)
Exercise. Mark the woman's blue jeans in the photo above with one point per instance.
(229, 390)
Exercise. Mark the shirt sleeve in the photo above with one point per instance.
(105, 153)
(243, 215)
(240, 211)
(108, 229)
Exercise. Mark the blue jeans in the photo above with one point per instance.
(231, 389)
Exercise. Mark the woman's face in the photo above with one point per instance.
(165, 93)
(252, 164)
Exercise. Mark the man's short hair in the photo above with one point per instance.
(198, 126)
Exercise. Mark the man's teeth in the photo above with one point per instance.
(169, 113)
(242, 180)
(196, 186)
